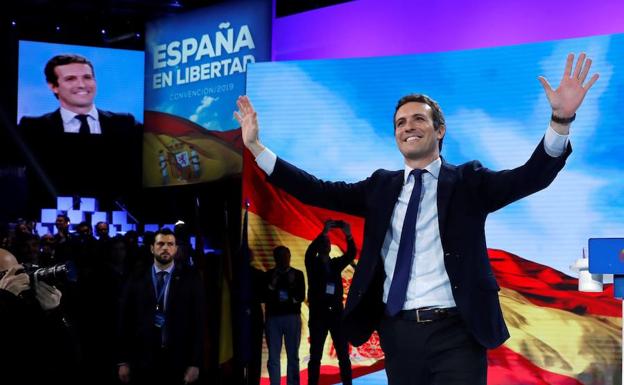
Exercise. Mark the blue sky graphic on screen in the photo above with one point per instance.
(118, 72)
(333, 118)
(195, 63)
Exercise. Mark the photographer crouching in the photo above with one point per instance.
(35, 343)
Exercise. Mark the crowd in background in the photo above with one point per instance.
(90, 303)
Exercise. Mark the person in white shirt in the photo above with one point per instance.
(424, 280)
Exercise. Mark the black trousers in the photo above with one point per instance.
(321, 322)
(161, 372)
(441, 352)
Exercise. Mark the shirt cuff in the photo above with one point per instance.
(266, 160)
(554, 143)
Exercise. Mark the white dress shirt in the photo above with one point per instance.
(71, 124)
(429, 284)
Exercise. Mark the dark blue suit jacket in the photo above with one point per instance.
(185, 317)
(466, 195)
(109, 163)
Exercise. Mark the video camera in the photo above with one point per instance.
(53, 275)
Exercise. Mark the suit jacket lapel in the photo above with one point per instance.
(446, 184)
(151, 289)
(389, 201)
(173, 287)
(104, 119)
(56, 121)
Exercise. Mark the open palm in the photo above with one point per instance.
(567, 98)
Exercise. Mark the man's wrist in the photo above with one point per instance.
(256, 148)
(562, 119)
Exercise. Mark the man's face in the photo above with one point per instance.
(84, 230)
(47, 244)
(22, 228)
(164, 248)
(76, 86)
(283, 261)
(414, 132)
(102, 230)
(61, 224)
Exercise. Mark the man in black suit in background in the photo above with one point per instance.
(161, 320)
(80, 149)
(325, 294)
(424, 280)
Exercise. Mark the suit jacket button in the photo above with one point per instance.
(456, 287)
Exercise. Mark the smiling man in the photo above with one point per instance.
(79, 149)
(424, 280)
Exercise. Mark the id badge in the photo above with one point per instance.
(283, 295)
(159, 319)
(330, 288)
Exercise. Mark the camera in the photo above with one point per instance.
(53, 275)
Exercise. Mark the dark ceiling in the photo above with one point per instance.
(118, 23)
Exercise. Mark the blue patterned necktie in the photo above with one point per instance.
(160, 285)
(405, 255)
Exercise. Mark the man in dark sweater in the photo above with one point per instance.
(325, 295)
(37, 345)
(285, 292)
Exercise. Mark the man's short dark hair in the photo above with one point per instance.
(61, 60)
(163, 231)
(436, 112)
(64, 216)
(280, 252)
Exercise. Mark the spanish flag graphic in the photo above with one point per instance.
(559, 336)
(177, 151)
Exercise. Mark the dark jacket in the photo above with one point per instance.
(284, 291)
(37, 346)
(321, 273)
(466, 195)
(139, 338)
(75, 164)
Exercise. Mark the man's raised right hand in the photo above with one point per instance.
(248, 120)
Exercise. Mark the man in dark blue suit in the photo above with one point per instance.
(423, 280)
(161, 320)
(80, 149)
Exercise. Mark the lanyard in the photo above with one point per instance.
(165, 286)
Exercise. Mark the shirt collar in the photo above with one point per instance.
(168, 270)
(68, 115)
(432, 168)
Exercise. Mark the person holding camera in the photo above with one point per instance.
(31, 326)
(285, 292)
(325, 294)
